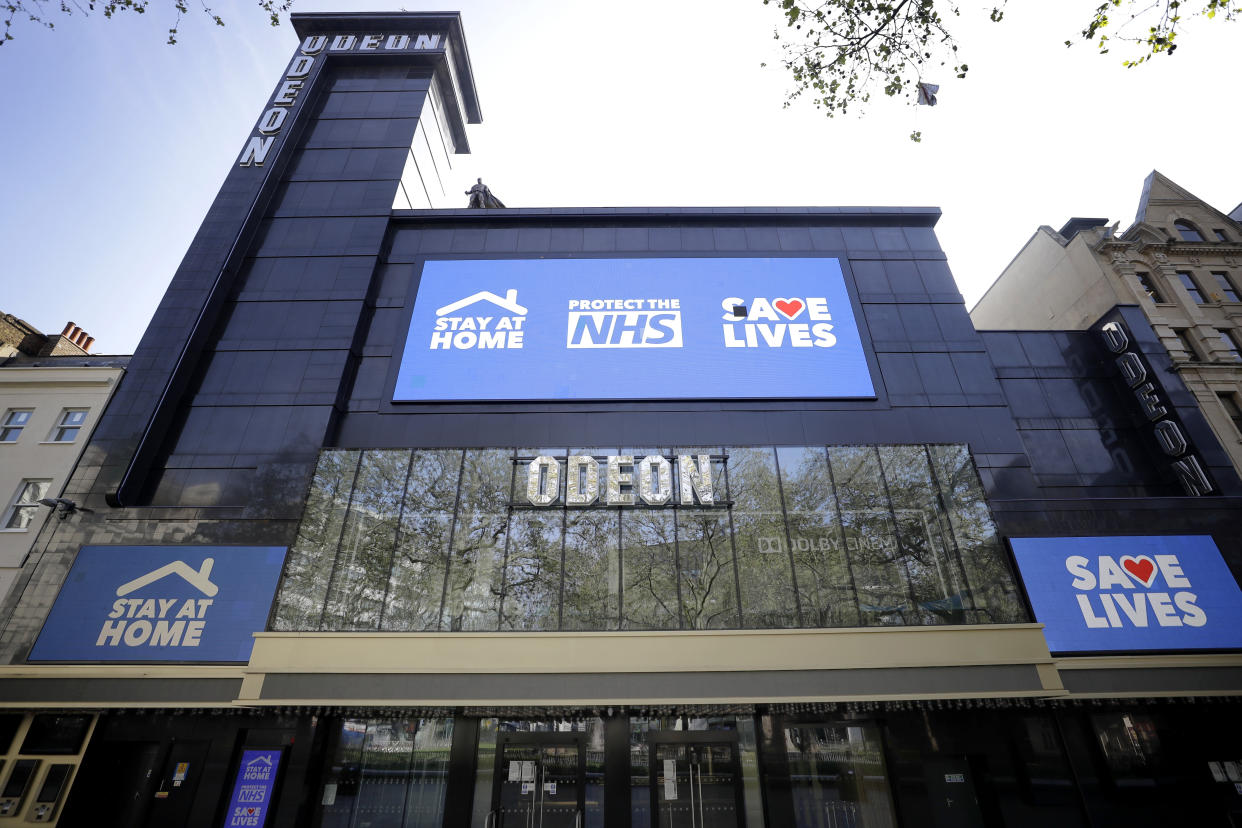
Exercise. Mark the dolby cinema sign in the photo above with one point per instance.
(643, 328)
(272, 122)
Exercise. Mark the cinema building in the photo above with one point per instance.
(411, 515)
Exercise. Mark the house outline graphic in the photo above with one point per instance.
(507, 302)
(199, 579)
(266, 760)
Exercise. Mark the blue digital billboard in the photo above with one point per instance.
(161, 603)
(1131, 593)
(611, 329)
(252, 790)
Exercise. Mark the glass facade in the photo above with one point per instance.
(802, 536)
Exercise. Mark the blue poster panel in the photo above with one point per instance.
(252, 792)
(1131, 593)
(161, 603)
(613, 329)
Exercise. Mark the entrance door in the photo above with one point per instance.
(695, 781)
(540, 781)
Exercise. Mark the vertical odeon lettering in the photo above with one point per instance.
(259, 146)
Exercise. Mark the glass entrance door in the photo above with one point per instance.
(539, 781)
(695, 783)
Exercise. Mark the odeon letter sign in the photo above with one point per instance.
(273, 119)
(627, 481)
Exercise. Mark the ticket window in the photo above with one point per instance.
(41, 754)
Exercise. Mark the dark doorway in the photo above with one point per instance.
(114, 786)
(695, 780)
(540, 781)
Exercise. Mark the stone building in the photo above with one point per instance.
(52, 393)
(1180, 261)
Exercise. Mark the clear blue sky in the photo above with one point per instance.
(112, 144)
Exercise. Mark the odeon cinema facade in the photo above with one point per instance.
(611, 517)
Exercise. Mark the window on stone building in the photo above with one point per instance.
(1229, 401)
(1188, 231)
(1227, 338)
(1220, 235)
(14, 421)
(1149, 287)
(1184, 340)
(1224, 287)
(25, 504)
(1192, 288)
(70, 423)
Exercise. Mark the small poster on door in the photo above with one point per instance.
(1218, 773)
(528, 787)
(515, 771)
(549, 788)
(1233, 770)
(670, 788)
(528, 771)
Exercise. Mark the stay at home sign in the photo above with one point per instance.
(161, 603)
(1131, 593)
(607, 329)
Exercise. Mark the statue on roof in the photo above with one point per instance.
(481, 197)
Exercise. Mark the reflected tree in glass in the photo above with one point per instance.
(592, 570)
(532, 571)
(304, 587)
(472, 597)
(870, 539)
(821, 559)
(649, 567)
(984, 561)
(416, 585)
(708, 591)
(360, 580)
(924, 537)
(763, 561)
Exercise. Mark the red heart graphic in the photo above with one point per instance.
(250, 810)
(1141, 567)
(789, 307)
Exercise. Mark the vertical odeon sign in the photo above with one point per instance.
(298, 74)
(1152, 400)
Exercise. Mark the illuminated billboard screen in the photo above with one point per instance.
(1131, 593)
(611, 329)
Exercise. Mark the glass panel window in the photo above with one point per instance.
(1188, 231)
(1232, 347)
(592, 570)
(308, 567)
(823, 565)
(924, 537)
(1149, 287)
(472, 594)
(993, 589)
(416, 585)
(70, 423)
(532, 574)
(1220, 235)
(1192, 289)
(1184, 341)
(25, 504)
(763, 560)
(867, 524)
(1224, 287)
(708, 588)
(14, 421)
(364, 560)
(1230, 403)
(649, 570)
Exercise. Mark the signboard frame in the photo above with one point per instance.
(389, 402)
